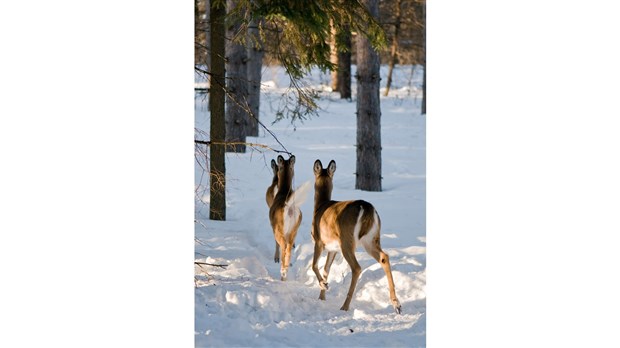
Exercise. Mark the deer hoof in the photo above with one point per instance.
(398, 310)
(283, 274)
(397, 307)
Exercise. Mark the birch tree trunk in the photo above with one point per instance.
(368, 171)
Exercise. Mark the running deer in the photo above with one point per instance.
(284, 213)
(342, 226)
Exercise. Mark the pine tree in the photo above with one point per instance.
(368, 171)
(237, 117)
(217, 164)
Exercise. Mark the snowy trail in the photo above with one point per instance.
(246, 304)
(248, 298)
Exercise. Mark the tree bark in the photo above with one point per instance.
(394, 49)
(255, 66)
(217, 164)
(237, 83)
(333, 57)
(423, 111)
(344, 65)
(424, 59)
(368, 173)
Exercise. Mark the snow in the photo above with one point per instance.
(245, 303)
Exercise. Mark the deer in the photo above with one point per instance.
(341, 226)
(284, 213)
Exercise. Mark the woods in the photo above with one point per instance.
(330, 35)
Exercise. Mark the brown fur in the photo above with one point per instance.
(285, 173)
(335, 221)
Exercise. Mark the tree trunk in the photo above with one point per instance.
(237, 83)
(424, 59)
(217, 164)
(208, 34)
(333, 57)
(255, 66)
(394, 50)
(423, 112)
(344, 65)
(368, 175)
(201, 32)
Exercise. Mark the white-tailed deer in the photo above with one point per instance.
(342, 226)
(284, 213)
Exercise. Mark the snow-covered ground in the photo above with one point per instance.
(245, 303)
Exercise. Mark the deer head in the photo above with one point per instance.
(286, 171)
(323, 181)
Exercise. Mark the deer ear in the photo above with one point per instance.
(280, 160)
(291, 160)
(318, 166)
(331, 168)
(274, 166)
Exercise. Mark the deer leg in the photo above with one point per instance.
(331, 255)
(291, 239)
(356, 270)
(281, 241)
(318, 250)
(384, 260)
(385, 263)
(328, 263)
(286, 259)
(276, 256)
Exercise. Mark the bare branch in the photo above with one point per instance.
(210, 264)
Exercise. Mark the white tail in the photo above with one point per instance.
(342, 226)
(298, 197)
(292, 213)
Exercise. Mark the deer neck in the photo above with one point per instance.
(284, 185)
(322, 194)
